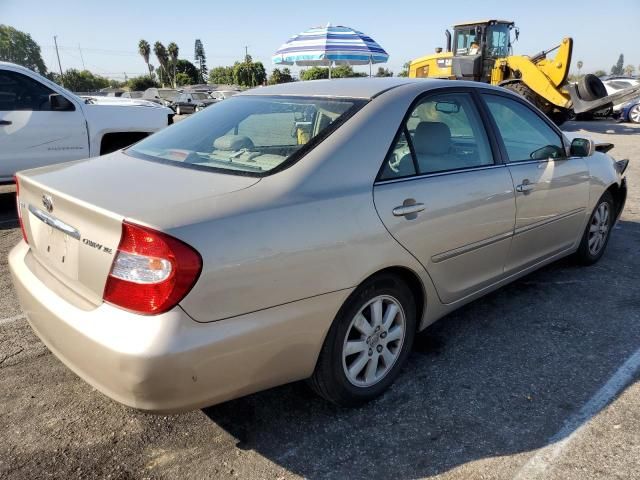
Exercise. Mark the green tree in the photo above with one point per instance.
(314, 73)
(280, 76)
(629, 70)
(81, 80)
(221, 75)
(579, 65)
(249, 73)
(384, 72)
(172, 50)
(599, 73)
(163, 59)
(405, 70)
(18, 47)
(201, 59)
(618, 68)
(144, 49)
(139, 84)
(182, 79)
(189, 69)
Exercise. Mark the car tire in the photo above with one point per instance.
(634, 114)
(591, 87)
(597, 232)
(368, 343)
(178, 111)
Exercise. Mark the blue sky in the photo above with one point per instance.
(108, 32)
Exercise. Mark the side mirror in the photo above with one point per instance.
(58, 103)
(582, 147)
(189, 100)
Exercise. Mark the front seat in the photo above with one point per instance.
(432, 143)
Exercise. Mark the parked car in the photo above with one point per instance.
(630, 112)
(41, 123)
(162, 96)
(134, 94)
(223, 94)
(616, 84)
(303, 230)
(190, 102)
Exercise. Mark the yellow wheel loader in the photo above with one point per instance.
(482, 52)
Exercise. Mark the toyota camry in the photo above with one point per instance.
(300, 231)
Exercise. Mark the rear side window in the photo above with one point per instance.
(525, 135)
(19, 92)
(444, 132)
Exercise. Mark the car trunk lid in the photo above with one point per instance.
(72, 213)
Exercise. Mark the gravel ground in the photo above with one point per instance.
(499, 389)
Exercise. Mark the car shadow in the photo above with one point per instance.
(601, 126)
(497, 377)
(8, 215)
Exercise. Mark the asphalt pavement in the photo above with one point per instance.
(536, 380)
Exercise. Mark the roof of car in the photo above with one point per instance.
(368, 87)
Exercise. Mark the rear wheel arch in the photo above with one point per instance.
(410, 279)
(619, 194)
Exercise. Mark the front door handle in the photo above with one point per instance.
(405, 210)
(5, 122)
(525, 187)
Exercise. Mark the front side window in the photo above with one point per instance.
(247, 134)
(464, 39)
(19, 92)
(525, 135)
(446, 133)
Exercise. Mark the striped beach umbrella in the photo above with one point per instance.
(330, 45)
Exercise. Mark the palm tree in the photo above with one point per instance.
(163, 60)
(579, 66)
(172, 49)
(144, 49)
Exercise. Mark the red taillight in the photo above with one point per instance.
(152, 271)
(24, 234)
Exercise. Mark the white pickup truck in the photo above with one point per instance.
(41, 123)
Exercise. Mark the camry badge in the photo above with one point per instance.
(47, 201)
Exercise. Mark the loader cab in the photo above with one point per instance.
(477, 45)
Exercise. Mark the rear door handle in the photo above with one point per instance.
(5, 122)
(408, 209)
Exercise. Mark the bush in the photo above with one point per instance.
(138, 84)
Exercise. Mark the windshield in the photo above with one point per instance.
(465, 41)
(498, 40)
(248, 135)
(199, 96)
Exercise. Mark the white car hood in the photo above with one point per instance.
(97, 100)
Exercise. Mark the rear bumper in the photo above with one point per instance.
(169, 362)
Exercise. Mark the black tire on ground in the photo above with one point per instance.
(591, 87)
(559, 116)
(585, 255)
(329, 379)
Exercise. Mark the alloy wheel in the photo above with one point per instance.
(599, 228)
(634, 114)
(373, 341)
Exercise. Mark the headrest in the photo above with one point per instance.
(432, 138)
(232, 143)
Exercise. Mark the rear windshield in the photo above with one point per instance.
(248, 135)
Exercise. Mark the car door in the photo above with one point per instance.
(552, 189)
(31, 134)
(445, 196)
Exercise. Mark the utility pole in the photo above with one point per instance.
(81, 57)
(246, 51)
(55, 41)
